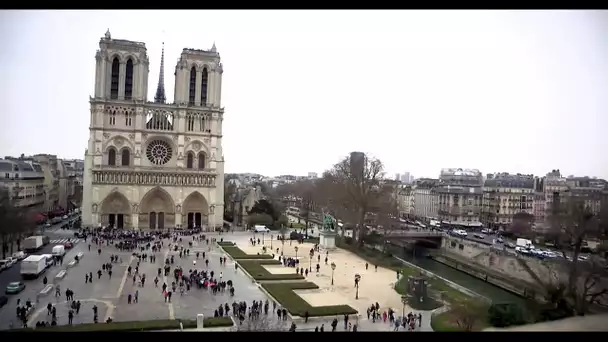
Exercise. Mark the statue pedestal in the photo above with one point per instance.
(327, 239)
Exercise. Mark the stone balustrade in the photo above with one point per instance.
(160, 177)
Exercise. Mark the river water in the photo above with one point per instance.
(495, 293)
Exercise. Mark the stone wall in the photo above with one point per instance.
(498, 260)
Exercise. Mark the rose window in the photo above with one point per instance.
(159, 152)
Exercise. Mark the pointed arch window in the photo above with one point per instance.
(112, 157)
(114, 78)
(204, 81)
(129, 80)
(126, 157)
(201, 160)
(192, 86)
(190, 160)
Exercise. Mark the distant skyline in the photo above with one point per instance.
(499, 91)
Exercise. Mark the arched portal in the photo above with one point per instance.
(156, 210)
(115, 211)
(195, 210)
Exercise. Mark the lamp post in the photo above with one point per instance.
(312, 253)
(357, 279)
(333, 268)
(403, 301)
(271, 242)
(296, 249)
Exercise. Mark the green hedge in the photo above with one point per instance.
(258, 272)
(226, 243)
(162, 324)
(237, 253)
(297, 306)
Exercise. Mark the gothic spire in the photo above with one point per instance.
(160, 88)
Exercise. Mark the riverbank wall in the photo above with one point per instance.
(497, 267)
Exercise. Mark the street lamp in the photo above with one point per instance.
(312, 253)
(333, 268)
(403, 301)
(271, 242)
(296, 249)
(357, 279)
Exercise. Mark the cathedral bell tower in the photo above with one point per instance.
(121, 71)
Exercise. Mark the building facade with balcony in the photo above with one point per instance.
(505, 195)
(459, 195)
(24, 182)
(154, 165)
(48, 162)
(425, 198)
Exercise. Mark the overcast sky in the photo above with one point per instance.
(421, 90)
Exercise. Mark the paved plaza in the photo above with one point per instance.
(376, 285)
(110, 294)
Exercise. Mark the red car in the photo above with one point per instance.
(68, 245)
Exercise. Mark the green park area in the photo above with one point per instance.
(237, 253)
(256, 270)
(153, 325)
(283, 292)
(297, 306)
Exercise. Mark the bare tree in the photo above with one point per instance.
(470, 314)
(357, 184)
(387, 210)
(306, 192)
(263, 323)
(575, 284)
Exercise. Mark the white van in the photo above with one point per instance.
(260, 229)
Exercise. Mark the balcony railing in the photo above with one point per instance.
(154, 178)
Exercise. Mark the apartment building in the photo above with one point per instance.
(504, 196)
(589, 190)
(459, 192)
(67, 185)
(48, 162)
(406, 201)
(539, 208)
(23, 181)
(425, 198)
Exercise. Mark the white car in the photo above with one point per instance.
(459, 232)
(5, 264)
(20, 255)
(479, 236)
(583, 257)
(486, 231)
(260, 229)
(65, 217)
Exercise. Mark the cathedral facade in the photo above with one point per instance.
(152, 164)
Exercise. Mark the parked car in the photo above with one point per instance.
(500, 240)
(20, 255)
(5, 264)
(14, 287)
(479, 236)
(510, 245)
(486, 231)
(68, 245)
(12, 261)
(3, 301)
